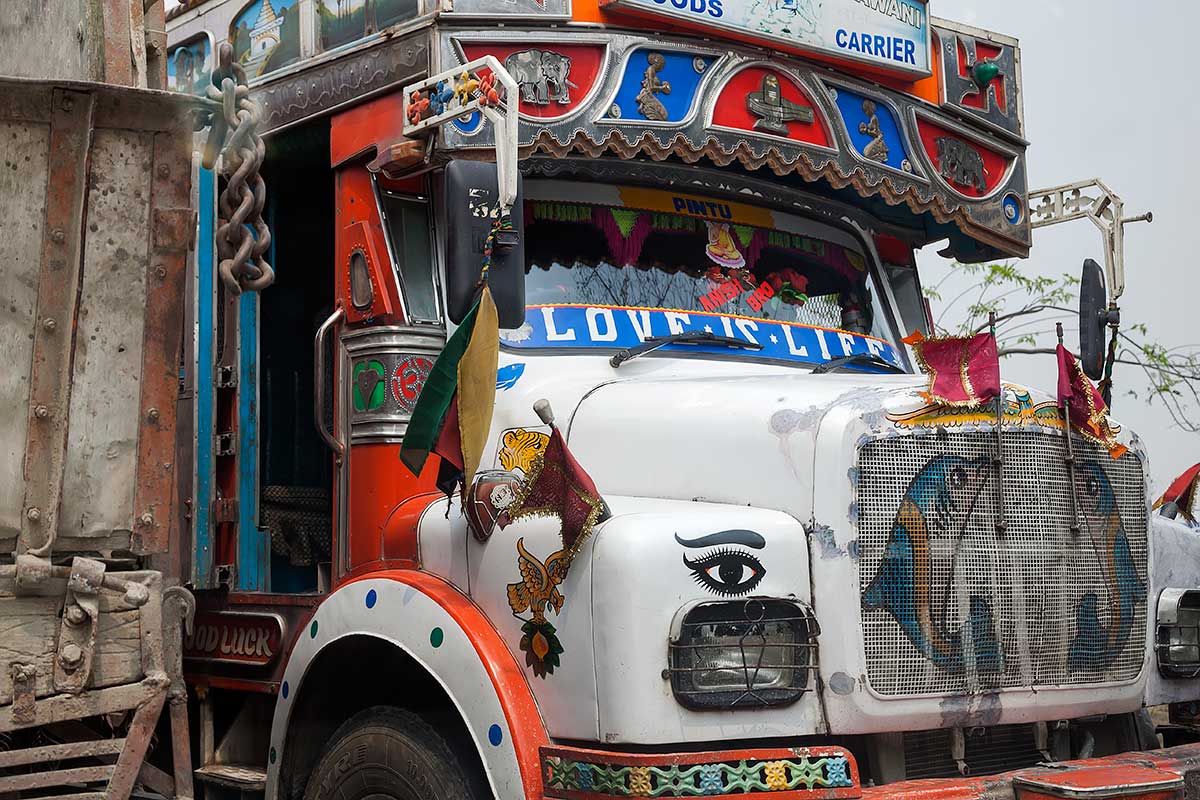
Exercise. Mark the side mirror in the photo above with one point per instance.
(1093, 318)
(471, 208)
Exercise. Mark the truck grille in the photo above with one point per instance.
(988, 751)
(951, 605)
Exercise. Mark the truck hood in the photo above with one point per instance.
(745, 440)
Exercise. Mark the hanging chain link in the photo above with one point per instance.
(241, 236)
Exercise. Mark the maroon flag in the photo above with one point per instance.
(1086, 409)
(963, 372)
(558, 487)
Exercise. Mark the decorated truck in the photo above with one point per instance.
(764, 562)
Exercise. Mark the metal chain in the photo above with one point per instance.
(241, 236)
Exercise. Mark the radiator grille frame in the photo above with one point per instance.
(1033, 578)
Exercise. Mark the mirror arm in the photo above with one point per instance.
(1089, 199)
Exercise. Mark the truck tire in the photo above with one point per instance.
(386, 752)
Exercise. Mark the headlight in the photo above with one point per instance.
(1178, 640)
(740, 654)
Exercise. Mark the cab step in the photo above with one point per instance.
(241, 777)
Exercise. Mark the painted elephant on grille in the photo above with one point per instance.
(961, 164)
(542, 76)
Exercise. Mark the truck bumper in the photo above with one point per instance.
(805, 773)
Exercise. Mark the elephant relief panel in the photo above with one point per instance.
(553, 80)
(970, 169)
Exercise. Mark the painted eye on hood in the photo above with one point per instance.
(727, 572)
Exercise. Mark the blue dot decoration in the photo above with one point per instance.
(470, 124)
(495, 735)
(312, 630)
(285, 690)
(1012, 209)
(371, 598)
(436, 637)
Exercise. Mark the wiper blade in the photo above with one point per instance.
(835, 364)
(685, 337)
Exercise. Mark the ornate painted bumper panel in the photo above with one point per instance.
(572, 774)
(591, 94)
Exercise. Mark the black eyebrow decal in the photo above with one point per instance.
(747, 538)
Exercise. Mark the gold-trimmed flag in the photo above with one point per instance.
(1086, 410)
(557, 486)
(964, 372)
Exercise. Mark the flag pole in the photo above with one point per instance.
(1070, 458)
(546, 415)
(998, 460)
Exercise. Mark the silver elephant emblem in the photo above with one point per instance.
(541, 76)
(960, 164)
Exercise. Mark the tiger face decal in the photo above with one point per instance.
(520, 447)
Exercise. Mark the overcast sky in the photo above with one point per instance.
(1110, 93)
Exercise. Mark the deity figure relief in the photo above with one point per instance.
(648, 104)
(876, 149)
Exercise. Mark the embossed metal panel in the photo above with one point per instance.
(951, 603)
(95, 234)
(390, 365)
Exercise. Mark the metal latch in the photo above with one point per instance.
(24, 683)
(80, 620)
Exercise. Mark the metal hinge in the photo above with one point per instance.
(226, 510)
(226, 443)
(226, 377)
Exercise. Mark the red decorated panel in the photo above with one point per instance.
(553, 79)
(979, 100)
(768, 102)
(970, 168)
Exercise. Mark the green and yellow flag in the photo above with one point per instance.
(453, 414)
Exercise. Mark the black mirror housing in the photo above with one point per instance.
(1093, 318)
(471, 208)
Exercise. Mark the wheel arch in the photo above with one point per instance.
(411, 640)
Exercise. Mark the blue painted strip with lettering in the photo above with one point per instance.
(607, 327)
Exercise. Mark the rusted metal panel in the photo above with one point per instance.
(60, 752)
(58, 285)
(29, 635)
(118, 59)
(136, 744)
(166, 276)
(22, 212)
(102, 446)
(59, 777)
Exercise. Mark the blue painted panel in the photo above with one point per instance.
(253, 559)
(850, 104)
(678, 72)
(612, 328)
(202, 563)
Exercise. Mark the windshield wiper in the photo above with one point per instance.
(685, 337)
(835, 364)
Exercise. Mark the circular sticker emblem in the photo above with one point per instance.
(409, 379)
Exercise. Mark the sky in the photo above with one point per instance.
(1109, 93)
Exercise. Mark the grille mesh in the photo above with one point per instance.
(1036, 606)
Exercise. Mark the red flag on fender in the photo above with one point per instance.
(963, 371)
(558, 487)
(1182, 493)
(1085, 407)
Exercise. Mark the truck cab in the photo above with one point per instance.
(810, 581)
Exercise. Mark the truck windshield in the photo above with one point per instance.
(725, 267)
